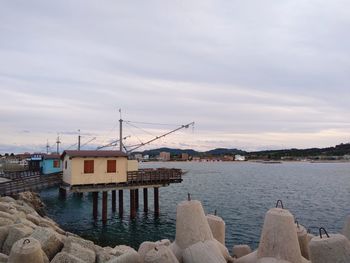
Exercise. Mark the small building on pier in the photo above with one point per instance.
(50, 164)
(94, 167)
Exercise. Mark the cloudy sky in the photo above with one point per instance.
(251, 74)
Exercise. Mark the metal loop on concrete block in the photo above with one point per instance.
(215, 212)
(324, 230)
(279, 202)
(297, 222)
(26, 241)
(189, 197)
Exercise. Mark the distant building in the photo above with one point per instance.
(138, 156)
(164, 156)
(228, 158)
(146, 157)
(94, 167)
(184, 156)
(239, 157)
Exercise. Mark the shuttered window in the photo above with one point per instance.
(88, 166)
(111, 166)
(56, 164)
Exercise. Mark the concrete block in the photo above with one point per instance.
(5, 221)
(279, 237)
(335, 249)
(26, 250)
(3, 258)
(239, 251)
(16, 232)
(203, 252)
(303, 241)
(160, 254)
(122, 249)
(271, 260)
(4, 231)
(64, 257)
(250, 258)
(131, 256)
(217, 227)
(144, 248)
(83, 253)
(7, 199)
(49, 241)
(34, 219)
(346, 229)
(25, 222)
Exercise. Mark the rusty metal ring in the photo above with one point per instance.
(324, 230)
(26, 241)
(279, 202)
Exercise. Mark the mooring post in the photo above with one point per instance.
(156, 201)
(132, 204)
(114, 199)
(104, 207)
(145, 200)
(136, 199)
(94, 204)
(121, 202)
(62, 193)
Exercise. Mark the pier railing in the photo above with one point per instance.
(28, 182)
(149, 176)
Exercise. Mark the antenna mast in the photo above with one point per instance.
(120, 131)
(79, 137)
(47, 146)
(58, 143)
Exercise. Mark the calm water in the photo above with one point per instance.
(317, 195)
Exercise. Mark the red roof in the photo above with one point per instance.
(87, 153)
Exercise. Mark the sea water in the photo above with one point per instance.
(318, 195)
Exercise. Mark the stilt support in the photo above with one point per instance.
(104, 207)
(145, 200)
(94, 204)
(156, 201)
(62, 193)
(114, 200)
(137, 199)
(132, 203)
(121, 202)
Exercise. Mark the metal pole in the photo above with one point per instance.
(79, 141)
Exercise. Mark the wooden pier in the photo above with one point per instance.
(141, 179)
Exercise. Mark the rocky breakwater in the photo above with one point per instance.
(28, 237)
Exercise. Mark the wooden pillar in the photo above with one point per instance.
(104, 207)
(62, 193)
(145, 200)
(137, 199)
(114, 200)
(132, 204)
(156, 201)
(121, 202)
(94, 204)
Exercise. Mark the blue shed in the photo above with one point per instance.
(51, 163)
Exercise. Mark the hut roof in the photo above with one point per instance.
(93, 153)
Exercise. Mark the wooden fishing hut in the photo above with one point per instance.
(99, 171)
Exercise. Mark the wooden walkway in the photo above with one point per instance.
(27, 181)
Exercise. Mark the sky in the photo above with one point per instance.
(251, 74)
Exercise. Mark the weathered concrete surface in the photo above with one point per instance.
(122, 249)
(203, 252)
(27, 250)
(4, 231)
(3, 258)
(16, 232)
(335, 249)
(144, 248)
(250, 258)
(83, 253)
(64, 257)
(217, 227)
(49, 241)
(131, 256)
(160, 254)
(303, 241)
(239, 251)
(346, 229)
(279, 237)
(271, 260)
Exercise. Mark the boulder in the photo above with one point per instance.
(3, 258)
(335, 249)
(250, 258)
(16, 232)
(346, 229)
(130, 256)
(49, 241)
(7, 199)
(83, 253)
(27, 250)
(160, 254)
(4, 231)
(217, 226)
(239, 251)
(122, 249)
(279, 237)
(203, 252)
(64, 257)
(33, 199)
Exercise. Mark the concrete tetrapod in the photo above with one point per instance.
(332, 249)
(303, 241)
(27, 250)
(250, 258)
(279, 237)
(191, 227)
(271, 260)
(160, 254)
(241, 250)
(203, 252)
(217, 226)
(346, 229)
